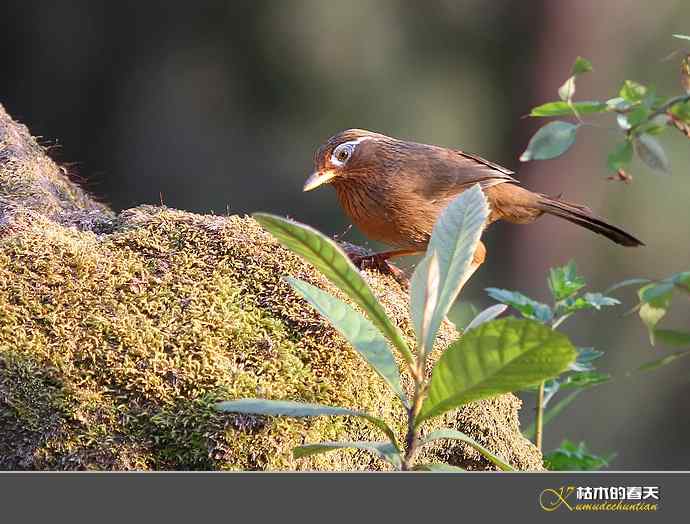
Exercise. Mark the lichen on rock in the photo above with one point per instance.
(119, 333)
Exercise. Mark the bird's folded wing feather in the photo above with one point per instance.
(449, 173)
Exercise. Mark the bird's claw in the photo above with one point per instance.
(382, 265)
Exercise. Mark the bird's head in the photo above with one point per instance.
(349, 154)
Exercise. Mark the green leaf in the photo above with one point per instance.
(655, 300)
(525, 305)
(500, 356)
(436, 467)
(357, 330)
(577, 380)
(289, 408)
(567, 90)
(329, 259)
(454, 240)
(671, 337)
(551, 141)
(621, 156)
(632, 91)
(597, 300)
(682, 37)
(561, 108)
(581, 65)
(682, 280)
(487, 315)
(384, 450)
(655, 364)
(681, 111)
(660, 293)
(584, 379)
(585, 357)
(637, 116)
(552, 413)
(424, 292)
(453, 434)
(572, 457)
(564, 281)
(617, 104)
(587, 301)
(652, 153)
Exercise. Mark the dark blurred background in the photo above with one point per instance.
(218, 106)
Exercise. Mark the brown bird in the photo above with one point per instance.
(394, 191)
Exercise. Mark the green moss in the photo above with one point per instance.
(116, 341)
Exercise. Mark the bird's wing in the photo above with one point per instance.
(447, 173)
(499, 171)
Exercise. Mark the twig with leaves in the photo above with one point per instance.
(640, 113)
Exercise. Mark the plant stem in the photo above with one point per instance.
(411, 439)
(539, 422)
(668, 105)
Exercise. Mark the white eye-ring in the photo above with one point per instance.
(344, 151)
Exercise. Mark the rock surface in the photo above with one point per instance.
(118, 333)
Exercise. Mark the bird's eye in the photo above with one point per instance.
(342, 153)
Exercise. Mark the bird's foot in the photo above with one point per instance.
(381, 264)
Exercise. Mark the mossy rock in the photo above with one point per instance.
(119, 333)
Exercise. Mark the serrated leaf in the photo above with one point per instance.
(551, 141)
(454, 240)
(584, 379)
(585, 357)
(572, 457)
(289, 408)
(660, 292)
(632, 91)
(567, 90)
(452, 434)
(663, 361)
(638, 115)
(597, 300)
(329, 259)
(424, 295)
(384, 450)
(487, 315)
(526, 306)
(571, 305)
(621, 156)
(581, 65)
(672, 337)
(652, 153)
(357, 330)
(561, 108)
(681, 111)
(503, 355)
(682, 280)
(564, 281)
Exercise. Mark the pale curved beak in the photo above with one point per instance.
(317, 178)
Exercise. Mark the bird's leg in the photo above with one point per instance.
(380, 262)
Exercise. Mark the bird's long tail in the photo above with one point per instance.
(583, 216)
